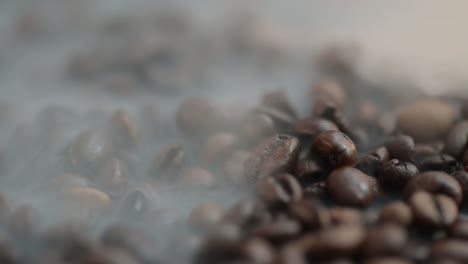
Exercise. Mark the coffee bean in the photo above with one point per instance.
(416, 251)
(329, 91)
(433, 211)
(310, 213)
(350, 186)
(246, 213)
(283, 122)
(345, 216)
(426, 119)
(459, 230)
(257, 127)
(125, 130)
(332, 114)
(275, 154)
(441, 162)
(113, 178)
(400, 147)
(422, 151)
(311, 127)
(435, 182)
(280, 189)
(395, 174)
(199, 117)
(259, 251)
(278, 231)
(372, 162)
(456, 139)
(316, 190)
(205, 216)
(233, 167)
(198, 178)
(217, 148)
(451, 249)
(396, 213)
(83, 202)
(384, 240)
(279, 100)
(388, 260)
(334, 149)
(168, 162)
(138, 202)
(308, 171)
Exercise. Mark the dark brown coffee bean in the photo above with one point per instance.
(218, 250)
(416, 251)
(339, 241)
(113, 178)
(459, 230)
(345, 216)
(246, 212)
(279, 100)
(334, 149)
(197, 177)
(433, 211)
(400, 147)
(233, 167)
(310, 213)
(257, 127)
(388, 260)
(440, 162)
(384, 240)
(125, 130)
(311, 127)
(89, 149)
(456, 139)
(396, 213)
(350, 186)
(279, 189)
(218, 147)
(316, 190)
(275, 154)
(372, 162)
(396, 174)
(332, 114)
(329, 91)
(259, 251)
(435, 182)
(451, 249)
(199, 117)
(206, 215)
(277, 231)
(426, 119)
(422, 151)
(168, 162)
(309, 171)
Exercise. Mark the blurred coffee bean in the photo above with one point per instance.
(137, 202)
(233, 167)
(316, 190)
(345, 216)
(433, 211)
(417, 251)
(168, 162)
(422, 151)
(258, 251)
(291, 253)
(384, 240)
(426, 119)
(459, 230)
(395, 174)
(257, 127)
(278, 100)
(89, 149)
(388, 260)
(283, 121)
(400, 147)
(335, 116)
(366, 113)
(451, 249)
(462, 179)
(217, 148)
(371, 163)
(113, 178)
(206, 215)
(350, 186)
(125, 131)
(329, 91)
(310, 213)
(440, 162)
(435, 182)
(83, 202)
(465, 160)
(246, 212)
(311, 127)
(277, 231)
(456, 139)
(396, 213)
(308, 171)
(334, 149)
(198, 178)
(279, 189)
(273, 155)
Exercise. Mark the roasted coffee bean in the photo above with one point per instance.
(339, 241)
(345, 216)
(310, 213)
(217, 148)
(168, 162)
(113, 178)
(89, 149)
(275, 154)
(316, 190)
(257, 127)
(433, 211)
(259, 251)
(125, 131)
(396, 174)
(311, 127)
(279, 189)
(233, 167)
(400, 147)
(435, 182)
(332, 114)
(384, 240)
(279, 100)
(283, 122)
(199, 117)
(334, 149)
(388, 260)
(277, 231)
(462, 178)
(309, 171)
(84, 202)
(206, 215)
(329, 91)
(219, 250)
(456, 139)
(197, 177)
(451, 249)
(459, 230)
(372, 162)
(426, 119)
(416, 251)
(440, 162)
(422, 151)
(292, 254)
(247, 212)
(396, 213)
(350, 186)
